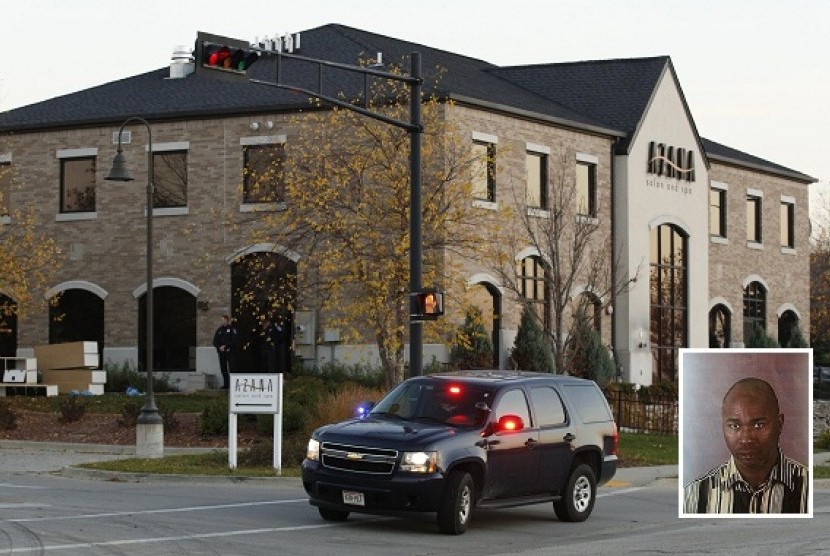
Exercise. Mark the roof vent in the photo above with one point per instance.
(181, 63)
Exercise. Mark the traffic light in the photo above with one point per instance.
(230, 56)
(426, 305)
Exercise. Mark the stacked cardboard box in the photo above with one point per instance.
(72, 366)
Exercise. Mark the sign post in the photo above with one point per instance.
(255, 393)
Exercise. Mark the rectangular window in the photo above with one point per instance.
(5, 186)
(787, 224)
(263, 179)
(586, 189)
(753, 219)
(169, 179)
(77, 184)
(484, 171)
(717, 212)
(537, 180)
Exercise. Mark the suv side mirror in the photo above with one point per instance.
(510, 423)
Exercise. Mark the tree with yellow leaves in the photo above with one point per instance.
(346, 192)
(574, 253)
(27, 259)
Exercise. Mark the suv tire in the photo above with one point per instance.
(333, 515)
(457, 505)
(577, 500)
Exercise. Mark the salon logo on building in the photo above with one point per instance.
(671, 162)
(670, 168)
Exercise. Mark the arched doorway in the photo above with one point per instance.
(263, 283)
(8, 326)
(77, 315)
(487, 298)
(174, 329)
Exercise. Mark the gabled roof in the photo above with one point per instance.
(607, 97)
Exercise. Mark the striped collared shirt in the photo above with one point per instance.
(724, 491)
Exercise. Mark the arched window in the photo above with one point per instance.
(77, 315)
(787, 323)
(755, 308)
(669, 293)
(720, 326)
(530, 274)
(174, 329)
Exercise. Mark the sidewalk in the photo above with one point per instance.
(50, 457)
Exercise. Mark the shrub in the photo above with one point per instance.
(214, 418)
(121, 377)
(129, 414)
(760, 339)
(71, 409)
(472, 347)
(823, 441)
(261, 454)
(587, 357)
(797, 339)
(531, 350)
(8, 417)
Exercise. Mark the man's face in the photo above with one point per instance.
(751, 427)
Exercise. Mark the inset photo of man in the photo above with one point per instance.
(746, 430)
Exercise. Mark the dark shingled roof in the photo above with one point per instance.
(606, 97)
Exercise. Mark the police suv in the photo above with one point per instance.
(448, 443)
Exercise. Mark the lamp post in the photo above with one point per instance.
(149, 427)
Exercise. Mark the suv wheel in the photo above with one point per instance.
(457, 505)
(333, 515)
(577, 500)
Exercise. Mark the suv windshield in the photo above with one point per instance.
(443, 401)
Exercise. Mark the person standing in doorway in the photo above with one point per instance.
(224, 340)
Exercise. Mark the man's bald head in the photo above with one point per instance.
(754, 387)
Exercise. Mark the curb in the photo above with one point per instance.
(125, 477)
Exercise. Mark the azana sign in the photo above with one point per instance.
(671, 162)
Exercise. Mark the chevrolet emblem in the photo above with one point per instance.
(353, 455)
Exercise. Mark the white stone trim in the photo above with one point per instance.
(719, 185)
(75, 216)
(483, 278)
(536, 148)
(587, 158)
(5, 158)
(485, 138)
(721, 301)
(263, 140)
(264, 248)
(788, 307)
(788, 199)
(76, 153)
(170, 146)
(754, 193)
(76, 285)
(168, 281)
(527, 252)
(754, 278)
(489, 205)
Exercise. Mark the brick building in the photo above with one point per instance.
(721, 235)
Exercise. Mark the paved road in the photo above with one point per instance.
(47, 509)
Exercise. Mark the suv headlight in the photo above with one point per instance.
(419, 462)
(312, 452)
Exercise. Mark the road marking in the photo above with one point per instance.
(23, 505)
(48, 548)
(621, 491)
(33, 487)
(160, 511)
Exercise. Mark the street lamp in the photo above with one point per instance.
(150, 426)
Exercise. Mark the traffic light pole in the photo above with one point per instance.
(415, 128)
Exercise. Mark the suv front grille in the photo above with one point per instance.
(358, 459)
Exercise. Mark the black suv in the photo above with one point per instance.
(450, 442)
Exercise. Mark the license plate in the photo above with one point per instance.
(353, 498)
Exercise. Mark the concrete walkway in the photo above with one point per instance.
(20, 457)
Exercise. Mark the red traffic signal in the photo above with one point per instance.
(232, 56)
(426, 305)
